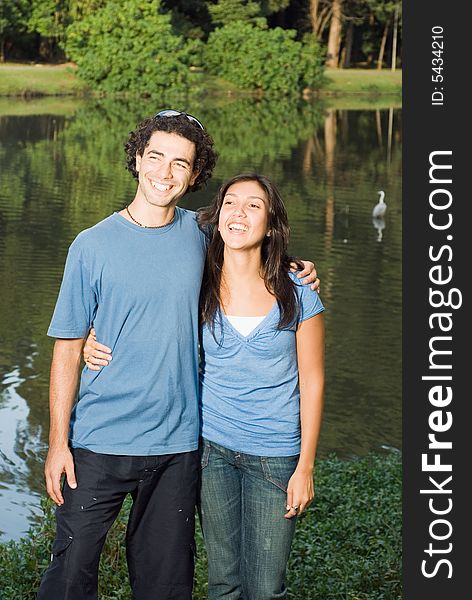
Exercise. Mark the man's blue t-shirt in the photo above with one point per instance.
(249, 392)
(139, 287)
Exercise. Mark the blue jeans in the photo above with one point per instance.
(247, 538)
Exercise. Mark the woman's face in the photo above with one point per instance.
(243, 221)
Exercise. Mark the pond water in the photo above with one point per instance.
(62, 171)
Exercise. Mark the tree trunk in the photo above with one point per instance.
(314, 15)
(394, 40)
(323, 19)
(348, 46)
(389, 137)
(330, 147)
(334, 39)
(2, 49)
(378, 122)
(307, 155)
(382, 47)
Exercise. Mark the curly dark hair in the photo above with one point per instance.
(205, 155)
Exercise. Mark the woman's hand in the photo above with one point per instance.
(309, 273)
(300, 492)
(96, 355)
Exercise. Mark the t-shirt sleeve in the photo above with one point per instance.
(77, 302)
(310, 303)
(204, 231)
(207, 232)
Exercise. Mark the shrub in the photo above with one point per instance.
(128, 46)
(347, 546)
(269, 60)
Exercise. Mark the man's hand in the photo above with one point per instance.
(309, 273)
(59, 461)
(62, 392)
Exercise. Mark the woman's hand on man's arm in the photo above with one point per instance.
(95, 355)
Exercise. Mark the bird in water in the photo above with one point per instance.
(377, 215)
(380, 207)
(379, 224)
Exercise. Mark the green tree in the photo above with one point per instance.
(129, 46)
(13, 20)
(359, 28)
(388, 15)
(229, 11)
(266, 60)
(78, 9)
(49, 19)
(268, 7)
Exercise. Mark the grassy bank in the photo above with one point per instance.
(39, 80)
(363, 81)
(347, 546)
(56, 80)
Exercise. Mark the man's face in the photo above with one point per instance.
(165, 170)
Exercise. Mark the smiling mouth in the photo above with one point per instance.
(238, 227)
(160, 187)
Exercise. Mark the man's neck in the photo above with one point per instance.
(148, 215)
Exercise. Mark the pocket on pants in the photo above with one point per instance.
(279, 469)
(60, 546)
(204, 454)
(59, 550)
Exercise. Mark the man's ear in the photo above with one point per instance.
(138, 161)
(193, 178)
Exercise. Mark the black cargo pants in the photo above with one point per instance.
(160, 543)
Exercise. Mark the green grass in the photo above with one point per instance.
(363, 81)
(59, 80)
(39, 80)
(347, 546)
(361, 101)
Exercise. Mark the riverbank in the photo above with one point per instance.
(25, 80)
(348, 544)
(363, 82)
(28, 80)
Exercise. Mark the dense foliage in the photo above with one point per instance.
(348, 545)
(256, 58)
(131, 47)
(14, 17)
(123, 45)
(128, 46)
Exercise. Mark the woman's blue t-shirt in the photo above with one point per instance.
(249, 393)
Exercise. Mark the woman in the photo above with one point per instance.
(262, 374)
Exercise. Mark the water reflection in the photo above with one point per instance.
(62, 173)
(20, 472)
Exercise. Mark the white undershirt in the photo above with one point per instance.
(245, 324)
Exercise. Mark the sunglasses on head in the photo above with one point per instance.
(169, 112)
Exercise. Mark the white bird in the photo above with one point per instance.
(380, 207)
(379, 224)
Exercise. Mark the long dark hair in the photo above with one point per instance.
(275, 260)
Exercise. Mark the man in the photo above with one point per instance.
(136, 276)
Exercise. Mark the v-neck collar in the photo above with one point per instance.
(255, 331)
